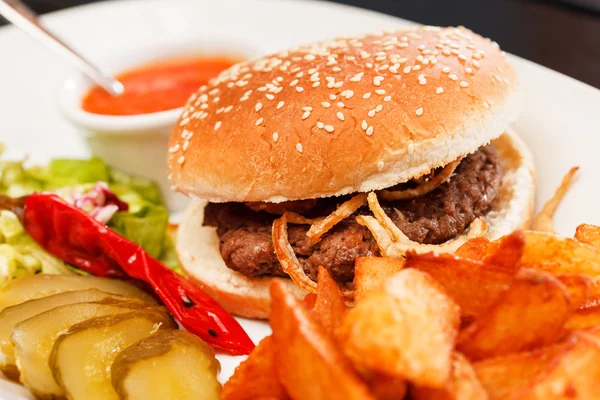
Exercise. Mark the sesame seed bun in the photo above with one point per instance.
(344, 116)
(198, 246)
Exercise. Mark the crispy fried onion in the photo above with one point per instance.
(423, 188)
(287, 257)
(544, 220)
(394, 243)
(346, 209)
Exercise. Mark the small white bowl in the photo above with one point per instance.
(138, 144)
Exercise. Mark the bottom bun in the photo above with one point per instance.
(198, 246)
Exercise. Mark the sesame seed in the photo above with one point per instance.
(181, 160)
(380, 92)
(340, 115)
(462, 57)
(439, 90)
(309, 57)
(348, 94)
(280, 104)
(357, 77)
(305, 115)
(259, 121)
(307, 108)
(299, 89)
(338, 84)
(367, 95)
(300, 74)
(416, 68)
(378, 108)
(184, 121)
(320, 125)
(475, 63)
(316, 84)
(380, 165)
(341, 104)
(336, 69)
(299, 147)
(377, 80)
(469, 70)
(453, 77)
(407, 69)
(371, 113)
(174, 148)
(387, 98)
(423, 81)
(325, 104)
(486, 104)
(446, 70)
(464, 84)
(258, 107)
(329, 128)
(331, 84)
(217, 125)
(270, 96)
(370, 130)
(419, 111)
(294, 82)
(275, 137)
(364, 125)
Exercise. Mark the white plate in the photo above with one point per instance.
(561, 121)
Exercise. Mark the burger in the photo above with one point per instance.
(357, 146)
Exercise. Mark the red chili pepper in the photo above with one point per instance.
(80, 240)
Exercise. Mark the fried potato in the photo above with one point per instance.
(506, 252)
(11, 316)
(581, 288)
(256, 377)
(560, 256)
(573, 374)
(81, 358)
(531, 313)
(462, 385)
(472, 284)
(42, 285)
(300, 341)
(502, 376)
(371, 272)
(588, 234)
(309, 301)
(152, 368)
(406, 329)
(584, 319)
(34, 338)
(329, 307)
(475, 249)
(385, 387)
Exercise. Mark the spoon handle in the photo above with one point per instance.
(25, 19)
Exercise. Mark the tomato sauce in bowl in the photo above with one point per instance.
(160, 86)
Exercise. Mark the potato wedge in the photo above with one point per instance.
(505, 375)
(42, 285)
(371, 272)
(256, 377)
(573, 374)
(560, 256)
(300, 341)
(584, 319)
(34, 338)
(385, 387)
(506, 252)
(416, 326)
(152, 368)
(463, 384)
(475, 249)
(531, 313)
(81, 358)
(329, 307)
(473, 285)
(588, 234)
(11, 316)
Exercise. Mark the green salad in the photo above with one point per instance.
(131, 206)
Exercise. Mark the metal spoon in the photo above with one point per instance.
(25, 19)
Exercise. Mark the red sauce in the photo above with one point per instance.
(156, 87)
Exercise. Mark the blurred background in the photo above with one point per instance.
(561, 34)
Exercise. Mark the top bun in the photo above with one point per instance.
(343, 116)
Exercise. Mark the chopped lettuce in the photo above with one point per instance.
(145, 222)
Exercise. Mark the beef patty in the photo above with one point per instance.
(245, 235)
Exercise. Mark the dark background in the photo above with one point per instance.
(562, 35)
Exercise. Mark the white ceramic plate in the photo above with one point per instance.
(560, 123)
